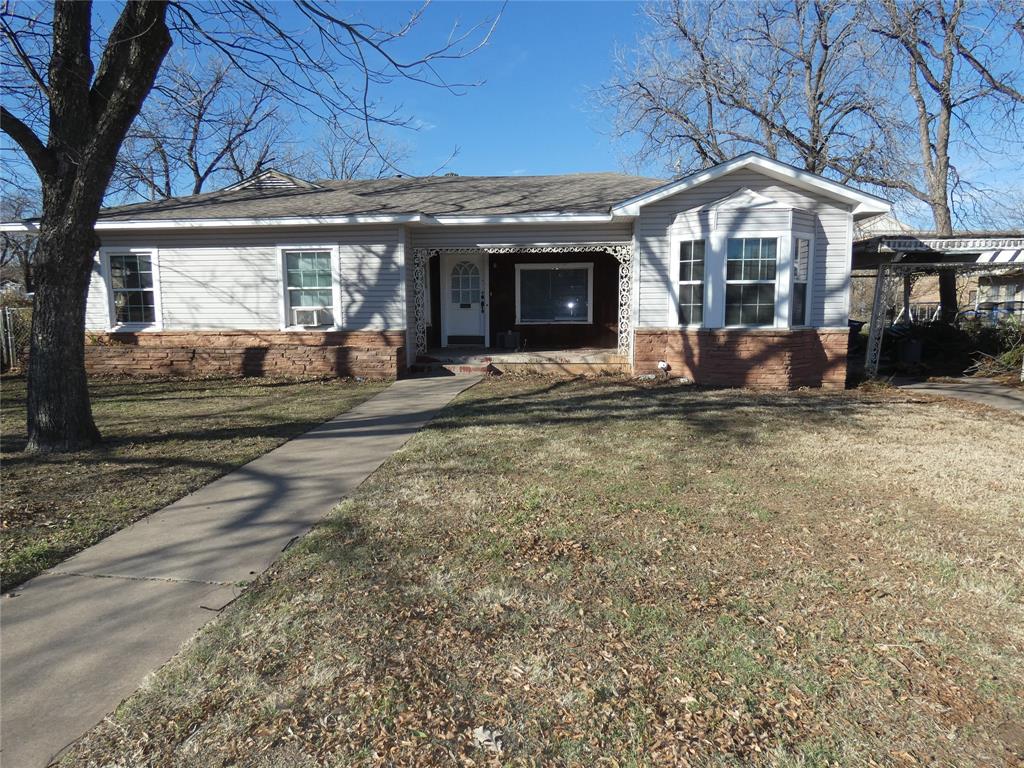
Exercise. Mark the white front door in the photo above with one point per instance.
(464, 281)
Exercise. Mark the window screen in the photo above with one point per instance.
(309, 282)
(131, 280)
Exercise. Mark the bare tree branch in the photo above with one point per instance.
(37, 153)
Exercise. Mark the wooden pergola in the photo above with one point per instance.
(898, 256)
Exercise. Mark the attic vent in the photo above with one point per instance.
(270, 180)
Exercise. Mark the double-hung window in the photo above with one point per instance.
(308, 281)
(801, 271)
(750, 280)
(691, 282)
(132, 288)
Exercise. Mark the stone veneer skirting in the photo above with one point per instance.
(761, 358)
(367, 354)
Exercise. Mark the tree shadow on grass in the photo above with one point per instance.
(711, 412)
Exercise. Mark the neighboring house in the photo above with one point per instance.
(736, 275)
(989, 267)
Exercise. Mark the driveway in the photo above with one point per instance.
(79, 638)
(976, 390)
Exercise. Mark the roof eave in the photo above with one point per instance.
(19, 226)
(281, 221)
(527, 218)
(108, 225)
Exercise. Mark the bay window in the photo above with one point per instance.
(750, 280)
(801, 271)
(691, 282)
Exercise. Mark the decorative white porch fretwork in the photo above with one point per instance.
(623, 253)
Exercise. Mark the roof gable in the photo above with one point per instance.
(271, 179)
(861, 203)
(743, 198)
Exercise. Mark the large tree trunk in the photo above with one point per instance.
(59, 414)
(88, 119)
(947, 277)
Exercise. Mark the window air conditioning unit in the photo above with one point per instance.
(308, 316)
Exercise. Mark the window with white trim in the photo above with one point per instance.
(308, 289)
(801, 271)
(132, 288)
(554, 293)
(691, 282)
(750, 280)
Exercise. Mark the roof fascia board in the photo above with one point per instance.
(528, 218)
(301, 221)
(862, 202)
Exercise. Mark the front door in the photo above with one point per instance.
(464, 299)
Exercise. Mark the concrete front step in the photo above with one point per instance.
(450, 369)
(522, 368)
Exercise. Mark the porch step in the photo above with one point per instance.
(450, 369)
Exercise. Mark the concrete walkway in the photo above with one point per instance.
(81, 637)
(977, 390)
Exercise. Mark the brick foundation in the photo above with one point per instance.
(761, 358)
(368, 354)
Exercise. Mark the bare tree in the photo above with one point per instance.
(195, 127)
(70, 115)
(340, 151)
(18, 249)
(963, 69)
(883, 93)
(719, 78)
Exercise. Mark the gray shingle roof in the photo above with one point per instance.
(432, 195)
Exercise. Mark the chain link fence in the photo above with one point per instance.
(15, 331)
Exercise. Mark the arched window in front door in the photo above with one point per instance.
(465, 283)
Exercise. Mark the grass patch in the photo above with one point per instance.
(612, 574)
(163, 439)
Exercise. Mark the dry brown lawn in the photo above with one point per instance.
(601, 573)
(163, 439)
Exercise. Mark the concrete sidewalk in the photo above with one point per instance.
(977, 390)
(81, 637)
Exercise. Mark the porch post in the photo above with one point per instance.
(420, 261)
(624, 255)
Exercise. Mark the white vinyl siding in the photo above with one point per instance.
(233, 280)
(373, 282)
(827, 220)
(97, 304)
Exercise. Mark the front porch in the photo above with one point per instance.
(556, 308)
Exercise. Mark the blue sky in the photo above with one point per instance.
(532, 114)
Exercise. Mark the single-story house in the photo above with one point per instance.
(735, 275)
